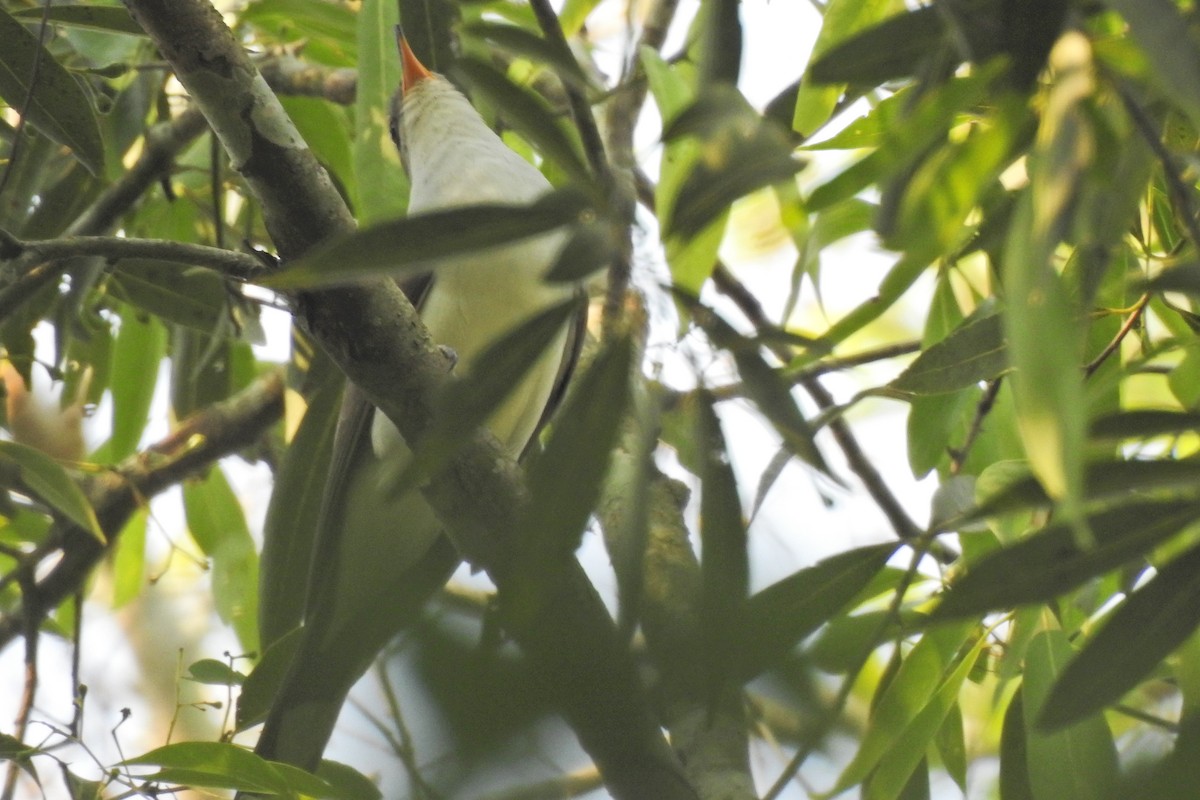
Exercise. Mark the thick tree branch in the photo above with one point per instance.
(375, 336)
(220, 430)
(289, 75)
(26, 256)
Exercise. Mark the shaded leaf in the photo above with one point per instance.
(223, 765)
(1140, 634)
(417, 243)
(129, 559)
(111, 19)
(1078, 763)
(57, 106)
(53, 486)
(527, 114)
(524, 42)
(972, 353)
(781, 615)
(197, 298)
(215, 673)
(348, 783)
(137, 352)
(1143, 423)
(893, 48)
(327, 29)
(1164, 35)
(264, 681)
(590, 248)
(1050, 562)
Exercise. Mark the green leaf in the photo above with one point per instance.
(53, 486)
(111, 19)
(214, 673)
(196, 297)
(1050, 562)
(349, 783)
(1164, 35)
(1145, 423)
(898, 764)
(893, 48)
(327, 29)
(81, 788)
(781, 615)
(1078, 763)
(222, 765)
(724, 565)
(972, 353)
(290, 528)
(527, 114)
(952, 746)
(138, 350)
(591, 247)
(533, 46)
(264, 681)
(129, 559)
(405, 246)
(565, 479)
(921, 675)
(574, 13)
(13, 749)
(1014, 752)
(464, 405)
(381, 182)
(57, 106)
(1184, 278)
(218, 524)
(842, 18)
(1140, 634)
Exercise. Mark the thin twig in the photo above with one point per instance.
(958, 456)
(1130, 322)
(404, 747)
(27, 256)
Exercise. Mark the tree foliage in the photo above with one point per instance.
(1030, 169)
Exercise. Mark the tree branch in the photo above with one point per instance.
(26, 256)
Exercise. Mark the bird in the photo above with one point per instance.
(389, 553)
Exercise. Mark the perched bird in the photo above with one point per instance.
(389, 554)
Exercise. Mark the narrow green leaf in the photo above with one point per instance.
(1014, 752)
(327, 29)
(1140, 634)
(138, 350)
(13, 749)
(527, 114)
(218, 524)
(1050, 562)
(565, 479)
(590, 248)
(1144, 423)
(781, 615)
(1078, 763)
(1184, 278)
(290, 527)
(972, 353)
(897, 765)
(893, 48)
(58, 105)
(417, 243)
(952, 747)
(129, 559)
(223, 765)
(197, 298)
(110, 19)
(348, 783)
(264, 681)
(524, 42)
(915, 685)
(842, 18)
(465, 404)
(574, 13)
(53, 486)
(379, 178)
(724, 566)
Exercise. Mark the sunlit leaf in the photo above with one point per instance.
(380, 180)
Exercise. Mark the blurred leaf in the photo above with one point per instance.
(111, 19)
(591, 247)
(1014, 752)
(1050, 562)
(719, 45)
(533, 46)
(137, 352)
(379, 178)
(464, 405)
(429, 29)
(218, 525)
(893, 48)
(1145, 423)
(129, 559)
(764, 385)
(573, 15)
(293, 513)
(952, 747)
(327, 130)
(347, 782)
(404, 246)
(842, 18)
(14, 750)
(265, 680)
(780, 616)
(973, 352)
(53, 486)
(1140, 634)
(197, 298)
(1078, 763)
(919, 684)
(1184, 278)
(215, 673)
(81, 788)
(527, 114)
(1164, 35)
(327, 29)
(565, 480)
(724, 563)
(57, 106)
